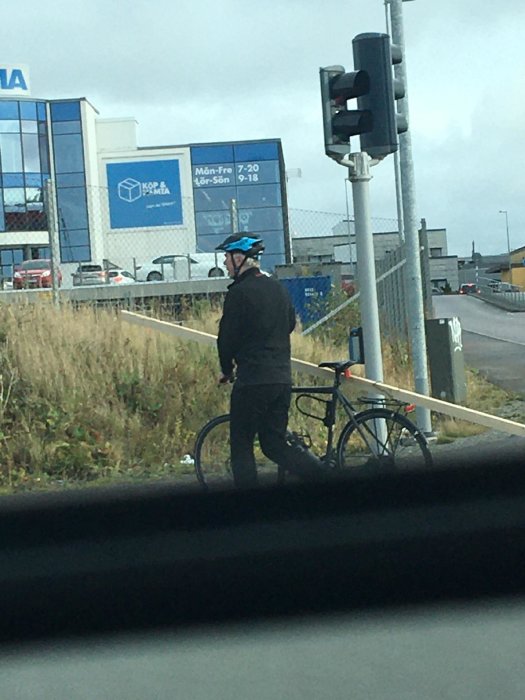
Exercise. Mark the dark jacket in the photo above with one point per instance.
(255, 328)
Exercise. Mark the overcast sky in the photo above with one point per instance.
(198, 71)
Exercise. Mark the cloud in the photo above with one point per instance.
(195, 71)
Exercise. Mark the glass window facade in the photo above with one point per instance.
(9, 109)
(24, 162)
(70, 178)
(252, 173)
(69, 110)
(24, 168)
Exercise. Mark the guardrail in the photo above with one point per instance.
(437, 405)
(125, 293)
(504, 299)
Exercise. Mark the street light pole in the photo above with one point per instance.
(414, 285)
(397, 169)
(504, 211)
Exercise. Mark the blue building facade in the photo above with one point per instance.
(252, 174)
(41, 139)
(58, 139)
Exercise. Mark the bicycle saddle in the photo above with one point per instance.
(338, 367)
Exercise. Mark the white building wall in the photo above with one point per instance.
(89, 135)
(18, 239)
(119, 134)
(117, 144)
(319, 247)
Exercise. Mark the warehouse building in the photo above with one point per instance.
(122, 202)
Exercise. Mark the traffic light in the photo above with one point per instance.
(337, 87)
(375, 55)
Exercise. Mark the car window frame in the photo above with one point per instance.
(24, 267)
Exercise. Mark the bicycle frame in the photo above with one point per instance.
(383, 426)
(336, 397)
(376, 440)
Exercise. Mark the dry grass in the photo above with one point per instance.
(451, 428)
(85, 396)
(91, 396)
(482, 396)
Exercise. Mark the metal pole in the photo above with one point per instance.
(54, 247)
(350, 256)
(397, 171)
(425, 267)
(416, 317)
(233, 216)
(366, 273)
(504, 211)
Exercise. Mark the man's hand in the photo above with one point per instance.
(225, 378)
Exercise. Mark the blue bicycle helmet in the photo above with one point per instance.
(251, 246)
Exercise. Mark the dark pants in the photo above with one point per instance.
(261, 410)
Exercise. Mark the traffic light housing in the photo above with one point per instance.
(337, 87)
(372, 82)
(374, 54)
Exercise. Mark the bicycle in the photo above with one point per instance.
(377, 438)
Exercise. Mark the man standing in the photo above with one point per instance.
(254, 345)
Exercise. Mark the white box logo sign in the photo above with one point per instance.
(14, 80)
(129, 189)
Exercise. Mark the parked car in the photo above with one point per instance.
(118, 276)
(507, 287)
(90, 273)
(202, 265)
(34, 274)
(469, 288)
(437, 291)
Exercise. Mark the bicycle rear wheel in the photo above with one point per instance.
(382, 440)
(212, 457)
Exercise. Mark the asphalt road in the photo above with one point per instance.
(494, 344)
(493, 339)
(467, 652)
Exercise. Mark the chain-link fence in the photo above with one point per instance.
(324, 244)
(307, 224)
(165, 250)
(117, 249)
(392, 290)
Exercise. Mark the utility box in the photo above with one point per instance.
(445, 359)
(356, 349)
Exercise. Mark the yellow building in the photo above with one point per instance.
(516, 274)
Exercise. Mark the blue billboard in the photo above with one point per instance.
(144, 193)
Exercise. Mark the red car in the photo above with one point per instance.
(34, 273)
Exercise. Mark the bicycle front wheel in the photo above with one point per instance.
(212, 457)
(212, 454)
(382, 440)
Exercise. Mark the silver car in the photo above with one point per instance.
(178, 266)
(89, 274)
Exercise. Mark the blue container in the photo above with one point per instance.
(308, 295)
